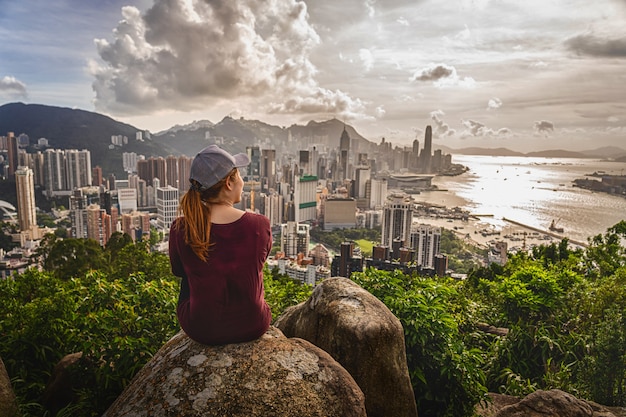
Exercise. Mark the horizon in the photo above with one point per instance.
(527, 77)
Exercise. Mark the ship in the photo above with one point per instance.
(553, 227)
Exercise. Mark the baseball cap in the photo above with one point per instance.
(212, 164)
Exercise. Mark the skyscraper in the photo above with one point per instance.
(397, 219)
(427, 152)
(78, 168)
(294, 238)
(12, 153)
(25, 185)
(344, 149)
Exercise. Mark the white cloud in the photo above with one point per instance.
(12, 88)
(442, 129)
(196, 54)
(442, 75)
(494, 103)
(474, 128)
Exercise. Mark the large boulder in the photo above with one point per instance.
(360, 332)
(8, 403)
(552, 403)
(270, 376)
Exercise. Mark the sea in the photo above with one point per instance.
(532, 191)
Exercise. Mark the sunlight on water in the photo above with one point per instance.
(533, 191)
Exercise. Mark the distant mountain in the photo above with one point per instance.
(67, 128)
(486, 151)
(235, 134)
(612, 152)
(557, 153)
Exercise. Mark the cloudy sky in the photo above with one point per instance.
(532, 74)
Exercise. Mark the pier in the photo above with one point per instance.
(546, 232)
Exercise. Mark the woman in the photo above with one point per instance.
(219, 252)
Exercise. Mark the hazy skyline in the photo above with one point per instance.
(492, 73)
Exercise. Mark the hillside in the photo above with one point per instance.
(67, 128)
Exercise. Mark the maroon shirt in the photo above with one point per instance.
(222, 300)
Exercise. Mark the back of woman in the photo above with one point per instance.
(220, 262)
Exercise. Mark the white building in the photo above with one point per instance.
(397, 219)
(425, 239)
(78, 168)
(25, 184)
(127, 199)
(305, 198)
(167, 206)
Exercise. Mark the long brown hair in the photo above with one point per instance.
(195, 208)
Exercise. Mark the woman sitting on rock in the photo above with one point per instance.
(219, 251)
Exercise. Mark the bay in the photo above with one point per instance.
(532, 191)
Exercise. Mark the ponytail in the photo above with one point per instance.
(195, 208)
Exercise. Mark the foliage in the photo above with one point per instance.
(117, 320)
(281, 291)
(446, 375)
(563, 308)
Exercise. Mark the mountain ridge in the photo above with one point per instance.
(67, 128)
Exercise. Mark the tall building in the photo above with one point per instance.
(25, 185)
(427, 152)
(171, 170)
(78, 168)
(99, 225)
(54, 171)
(127, 199)
(294, 238)
(78, 214)
(425, 240)
(12, 153)
(397, 218)
(184, 171)
(344, 152)
(167, 206)
(96, 176)
(254, 167)
(305, 198)
(268, 168)
(377, 193)
(273, 208)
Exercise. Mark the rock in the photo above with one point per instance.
(553, 403)
(270, 376)
(59, 391)
(8, 403)
(360, 332)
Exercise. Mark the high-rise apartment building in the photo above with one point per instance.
(78, 214)
(425, 240)
(99, 225)
(78, 168)
(184, 171)
(167, 206)
(171, 171)
(12, 148)
(397, 219)
(25, 185)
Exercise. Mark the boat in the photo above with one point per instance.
(553, 227)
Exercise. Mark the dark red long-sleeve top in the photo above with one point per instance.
(222, 300)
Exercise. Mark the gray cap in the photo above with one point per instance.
(213, 163)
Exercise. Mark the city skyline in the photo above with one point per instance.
(527, 76)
